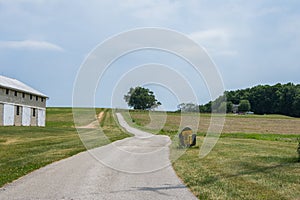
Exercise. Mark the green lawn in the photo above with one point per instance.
(24, 149)
(242, 169)
(245, 164)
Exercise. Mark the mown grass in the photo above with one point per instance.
(257, 136)
(242, 169)
(248, 162)
(24, 149)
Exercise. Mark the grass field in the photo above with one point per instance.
(276, 124)
(24, 149)
(255, 158)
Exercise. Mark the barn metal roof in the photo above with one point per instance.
(19, 86)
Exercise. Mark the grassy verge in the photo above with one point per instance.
(253, 159)
(24, 149)
(242, 169)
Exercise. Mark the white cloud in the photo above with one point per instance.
(215, 41)
(212, 36)
(30, 45)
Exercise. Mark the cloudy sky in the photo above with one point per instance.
(43, 43)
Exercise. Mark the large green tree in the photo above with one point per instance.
(244, 106)
(141, 98)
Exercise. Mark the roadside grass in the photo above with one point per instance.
(24, 149)
(242, 169)
(255, 157)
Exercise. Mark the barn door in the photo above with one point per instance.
(8, 115)
(41, 117)
(26, 116)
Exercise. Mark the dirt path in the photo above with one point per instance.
(95, 123)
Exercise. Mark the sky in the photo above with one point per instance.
(44, 43)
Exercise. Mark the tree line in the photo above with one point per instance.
(261, 99)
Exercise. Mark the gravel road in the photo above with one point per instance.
(133, 168)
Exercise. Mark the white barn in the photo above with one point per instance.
(21, 105)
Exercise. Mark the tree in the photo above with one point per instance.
(222, 108)
(219, 105)
(229, 106)
(205, 108)
(244, 106)
(264, 99)
(141, 98)
(188, 107)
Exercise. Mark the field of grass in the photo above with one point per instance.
(24, 149)
(276, 124)
(255, 158)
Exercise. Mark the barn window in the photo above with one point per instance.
(42, 99)
(18, 110)
(36, 98)
(7, 91)
(31, 97)
(33, 112)
(16, 93)
(23, 95)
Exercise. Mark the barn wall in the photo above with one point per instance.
(1, 114)
(8, 117)
(18, 116)
(26, 116)
(19, 99)
(26, 102)
(41, 117)
(33, 119)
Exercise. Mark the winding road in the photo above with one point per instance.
(133, 168)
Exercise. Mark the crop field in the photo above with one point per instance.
(24, 149)
(274, 124)
(255, 157)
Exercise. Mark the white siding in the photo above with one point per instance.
(41, 117)
(26, 115)
(8, 115)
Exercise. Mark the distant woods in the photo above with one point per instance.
(262, 99)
